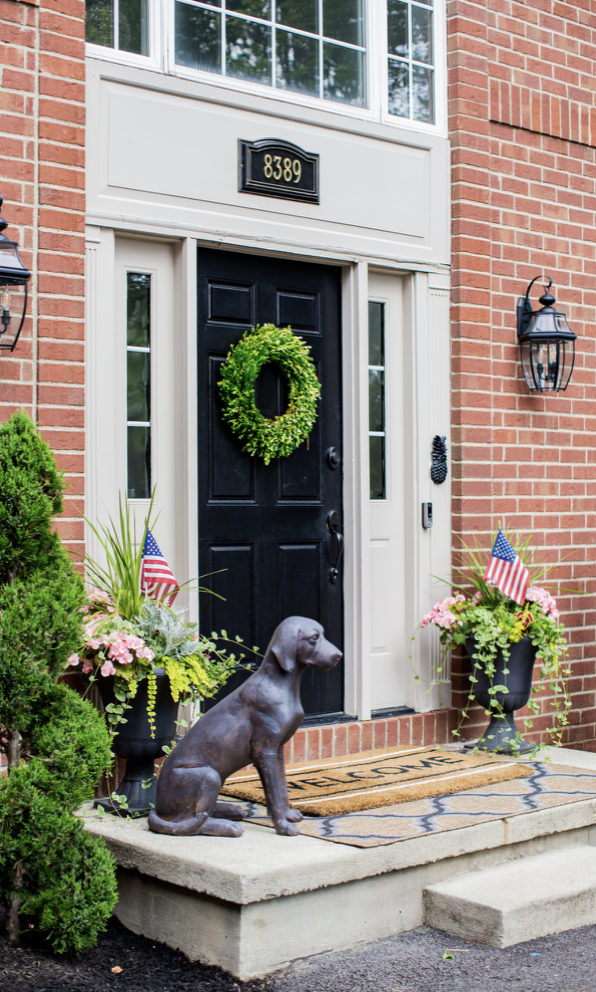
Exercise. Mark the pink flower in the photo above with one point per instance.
(87, 666)
(134, 643)
(446, 619)
(73, 659)
(90, 628)
(547, 603)
(118, 651)
(107, 668)
(96, 597)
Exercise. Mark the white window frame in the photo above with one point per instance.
(155, 59)
(440, 68)
(273, 92)
(161, 18)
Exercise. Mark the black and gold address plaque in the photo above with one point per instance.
(278, 168)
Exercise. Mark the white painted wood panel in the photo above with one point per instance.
(173, 381)
(388, 639)
(162, 152)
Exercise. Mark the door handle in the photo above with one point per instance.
(333, 528)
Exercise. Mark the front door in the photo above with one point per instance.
(264, 530)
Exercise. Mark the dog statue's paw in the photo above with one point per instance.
(286, 828)
(293, 815)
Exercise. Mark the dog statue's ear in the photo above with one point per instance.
(284, 644)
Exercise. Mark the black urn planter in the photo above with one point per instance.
(502, 731)
(134, 743)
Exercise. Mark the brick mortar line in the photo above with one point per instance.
(543, 134)
(35, 232)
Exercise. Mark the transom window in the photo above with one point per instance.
(315, 47)
(411, 83)
(120, 24)
(318, 49)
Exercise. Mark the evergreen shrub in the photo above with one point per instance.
(52, 873)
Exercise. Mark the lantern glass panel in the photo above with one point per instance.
(13, 301)
(546, 364)
(567, 363)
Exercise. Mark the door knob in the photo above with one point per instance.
(333, 522)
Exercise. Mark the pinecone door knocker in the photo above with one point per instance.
(438, 471)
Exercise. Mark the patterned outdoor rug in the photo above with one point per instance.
(370, 779)
(545, 786)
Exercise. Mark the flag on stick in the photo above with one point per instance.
(506, 570)
(156, 576)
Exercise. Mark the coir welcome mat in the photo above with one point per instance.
(378, 778)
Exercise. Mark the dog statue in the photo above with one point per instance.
(252, 724)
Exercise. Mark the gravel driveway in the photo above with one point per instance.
(414, 962)
(410, 962)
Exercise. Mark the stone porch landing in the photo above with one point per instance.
(255, 904)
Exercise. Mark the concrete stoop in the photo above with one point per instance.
(255, 904)
(521, 900)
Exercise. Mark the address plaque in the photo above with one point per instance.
(278, 168)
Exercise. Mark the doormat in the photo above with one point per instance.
(370, 779)
(546, 787)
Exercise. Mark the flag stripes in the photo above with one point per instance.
(157, 579)
(506, 571)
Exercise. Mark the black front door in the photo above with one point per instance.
(264, 529)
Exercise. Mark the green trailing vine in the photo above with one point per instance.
(495, 623)
(261, 436)
(151, 697)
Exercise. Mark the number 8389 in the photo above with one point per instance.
(276, 167)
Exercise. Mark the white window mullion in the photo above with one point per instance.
(273, 43)
(116, 25)
(223, 37)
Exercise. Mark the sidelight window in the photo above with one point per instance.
(411, 60)
(376, 399)
(314, 47)
(138, 384)
(118, 24)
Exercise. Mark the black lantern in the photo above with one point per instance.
(14, 279)
(546, 341)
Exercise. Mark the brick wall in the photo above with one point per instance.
(42, 135)
(522, 106)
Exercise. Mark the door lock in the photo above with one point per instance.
(333, 458)
(333, 528)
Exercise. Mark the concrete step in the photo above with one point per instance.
(517, 901)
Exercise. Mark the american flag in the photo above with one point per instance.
(506, 570)
(156, 576)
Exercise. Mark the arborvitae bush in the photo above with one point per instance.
(52, 873)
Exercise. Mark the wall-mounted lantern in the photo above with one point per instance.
(547, 343)
(14, 280)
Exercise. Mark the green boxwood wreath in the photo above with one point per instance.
(261, 436)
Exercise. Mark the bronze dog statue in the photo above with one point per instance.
(252, 724)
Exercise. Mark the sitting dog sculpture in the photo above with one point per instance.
(252, 724)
